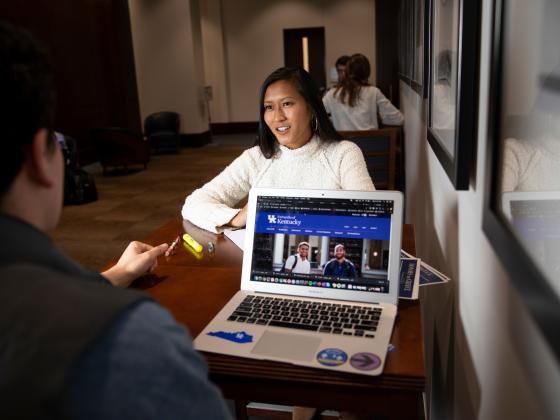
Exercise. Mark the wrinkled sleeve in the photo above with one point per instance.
(354, 174)
(515, 162)
(212, 206)
(389, 114)
(327, 102)
(144, 367)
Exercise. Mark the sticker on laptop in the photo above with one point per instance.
(365, 361)
(332, 357)
(240, 337)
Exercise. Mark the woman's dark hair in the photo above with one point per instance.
(28, 99)
(357, 75)
(320, 123)
(342, 60)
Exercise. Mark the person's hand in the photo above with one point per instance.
(137, 259)
(240, 219)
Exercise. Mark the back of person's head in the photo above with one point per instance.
(358, 71)
(28, 99)
(342, 60)
(321, 125)
(340, 65)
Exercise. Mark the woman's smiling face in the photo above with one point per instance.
(287, 115)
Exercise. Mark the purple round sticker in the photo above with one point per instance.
(365, 361)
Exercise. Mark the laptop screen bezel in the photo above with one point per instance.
(317, 292)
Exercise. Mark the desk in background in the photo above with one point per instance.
(195, 288)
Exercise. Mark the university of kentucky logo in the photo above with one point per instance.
(283, 219)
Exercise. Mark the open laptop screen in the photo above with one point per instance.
(322, 242)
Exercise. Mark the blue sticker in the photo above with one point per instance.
(236, 337)
(332, 357)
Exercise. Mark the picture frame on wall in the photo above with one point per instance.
(452, 58)
(412, 36)
(417, 80)
(521, 214)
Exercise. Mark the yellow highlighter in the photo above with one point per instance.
(192, 243)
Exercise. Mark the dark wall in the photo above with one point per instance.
(90, 44)
(387, 35)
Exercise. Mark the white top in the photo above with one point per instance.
(531, 165)
(363, 115)
(337, 165)
(302, 266)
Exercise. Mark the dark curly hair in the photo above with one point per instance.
(307, 88)
(28, 98)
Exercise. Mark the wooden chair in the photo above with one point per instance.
(380, 152)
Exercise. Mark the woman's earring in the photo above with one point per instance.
(315, 125)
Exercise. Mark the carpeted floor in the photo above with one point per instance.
(132, 205)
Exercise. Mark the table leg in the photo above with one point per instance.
(241, 410)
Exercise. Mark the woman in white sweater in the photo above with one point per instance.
(297, 148)
(354, 103)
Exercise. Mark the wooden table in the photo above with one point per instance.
(195, 288)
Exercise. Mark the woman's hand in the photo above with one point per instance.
(137, 259)
(240, 219)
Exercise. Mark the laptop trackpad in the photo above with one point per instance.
(291, 346)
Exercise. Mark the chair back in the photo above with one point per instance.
(379, 148)
(161, 121)
(162, 129)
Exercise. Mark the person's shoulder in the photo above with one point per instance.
(254, 154)
(148, 319)
(518, 147)
(145, 364)
(251, 157)
(341, 147)
(330, 93)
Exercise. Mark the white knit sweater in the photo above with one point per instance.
(316, 165)
(531, 165)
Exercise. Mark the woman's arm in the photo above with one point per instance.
(389, 114)
(212, 206)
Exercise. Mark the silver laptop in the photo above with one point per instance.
(333, 309)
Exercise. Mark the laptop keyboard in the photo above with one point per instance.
(330, 318)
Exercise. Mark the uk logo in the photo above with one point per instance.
(271, 218)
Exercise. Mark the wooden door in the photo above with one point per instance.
(294, 51)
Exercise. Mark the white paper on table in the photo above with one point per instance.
(237, 236)
(428, 274)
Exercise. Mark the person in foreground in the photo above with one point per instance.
(72, 345)
(354, 103)
(297, 148)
